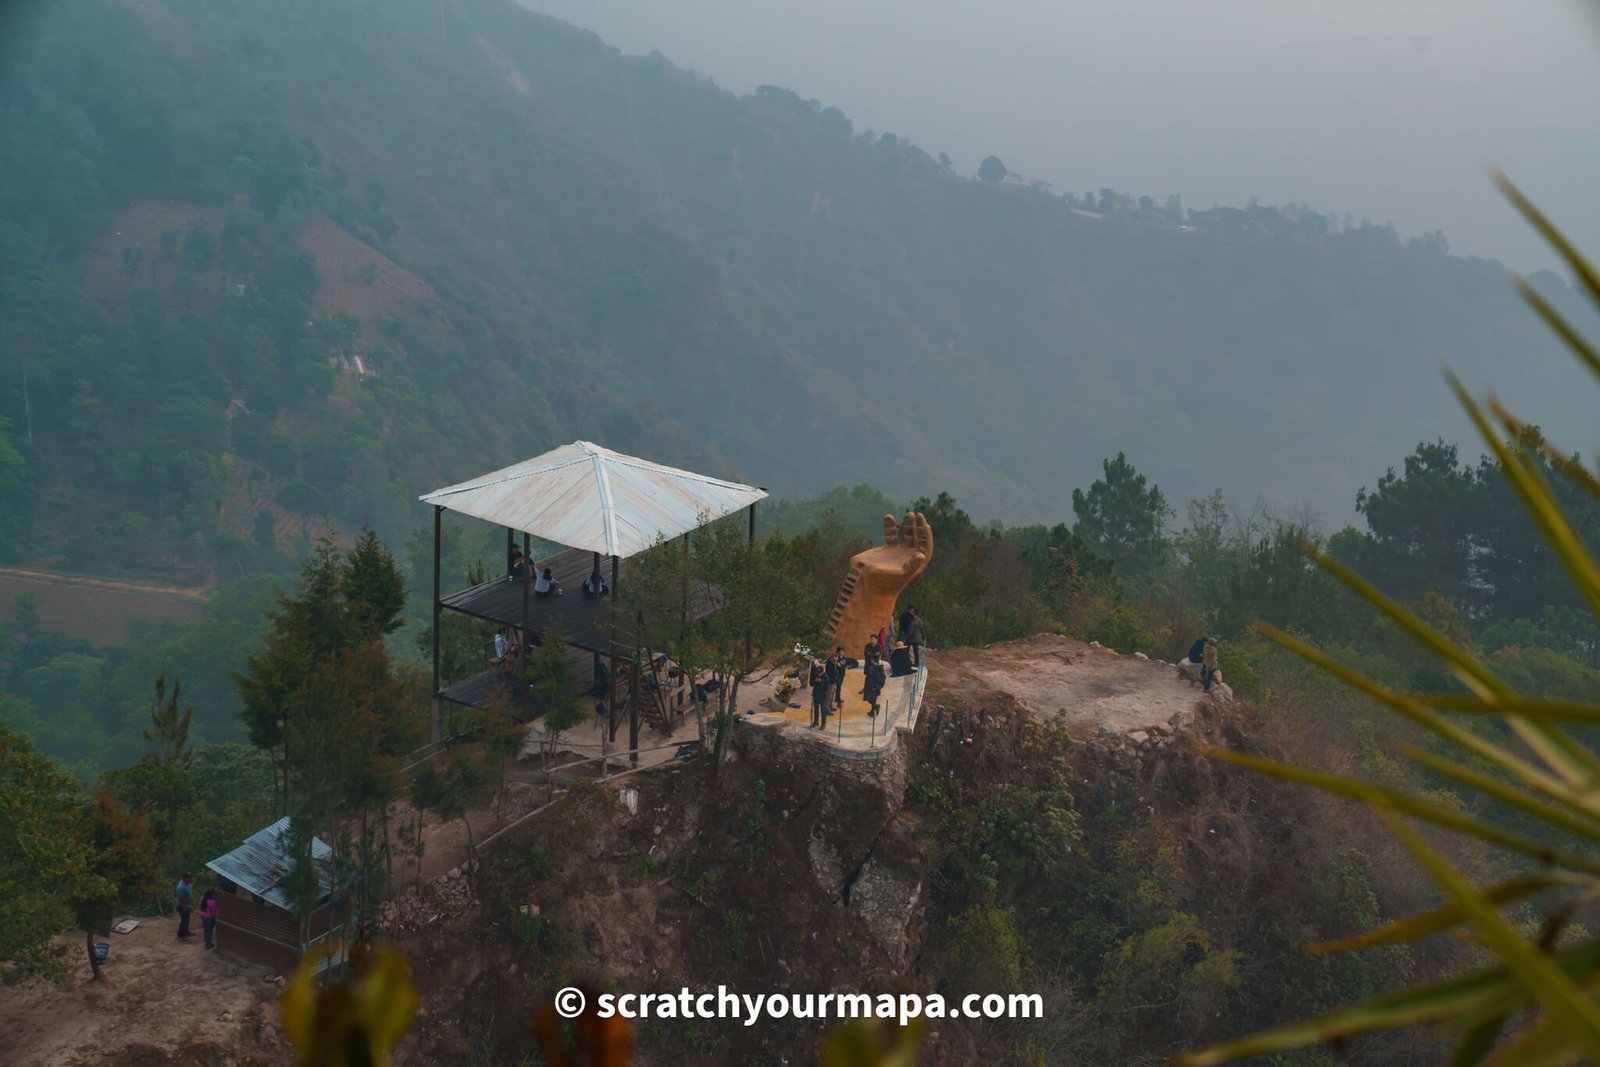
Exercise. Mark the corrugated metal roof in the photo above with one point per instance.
(595, 499)
(258, 865)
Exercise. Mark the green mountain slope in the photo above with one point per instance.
(611, 247)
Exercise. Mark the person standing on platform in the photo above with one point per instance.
(185, 895)
(873, 684)
(821, 692)
(911, 633)
(836, 672)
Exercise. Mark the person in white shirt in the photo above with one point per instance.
(545, 584)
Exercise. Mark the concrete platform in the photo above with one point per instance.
(851, 732)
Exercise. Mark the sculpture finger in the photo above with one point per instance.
(906, 532)
(913, 564)
(891, 531)
(923, 539)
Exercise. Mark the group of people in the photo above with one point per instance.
(208, 910)
(827, 677)
(544, 579)
(544, 582)
(1204, 652)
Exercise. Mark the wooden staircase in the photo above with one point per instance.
(845, 592)
(655, 705)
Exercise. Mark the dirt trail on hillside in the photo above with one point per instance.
(196, 592)
(158, 992)
(1052, 675)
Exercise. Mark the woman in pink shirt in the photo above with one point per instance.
(208, 915)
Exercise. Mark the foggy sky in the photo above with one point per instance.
(1389, 109)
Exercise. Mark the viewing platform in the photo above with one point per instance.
(851, 733)
(582, 621)
(606, 507)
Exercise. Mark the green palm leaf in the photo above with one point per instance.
(1383, 798)
(1450, 915)
(1492, 993)
(1558, 987)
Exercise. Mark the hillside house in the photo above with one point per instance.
(255, 917)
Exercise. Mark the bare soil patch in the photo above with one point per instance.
(159, 996)
(137, 231)
(357, 277)
(97, 609)
(1057, 676)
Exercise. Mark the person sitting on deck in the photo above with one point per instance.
(546, 584)
(900, 661)
(519, 565)
(506, 648)
(595, 585)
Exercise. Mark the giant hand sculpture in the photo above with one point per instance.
(867, 598)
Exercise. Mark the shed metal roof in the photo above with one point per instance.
(589, 497)
(258, 865)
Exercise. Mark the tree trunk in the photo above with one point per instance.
(388, 852)
(725, 717)
(94, 963)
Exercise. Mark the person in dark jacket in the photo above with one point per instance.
(872, 688)
(1197, 651)
(911, 634)
(821, 694)
(836, 671)
(900, 661)
(185, 899)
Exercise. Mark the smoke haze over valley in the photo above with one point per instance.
(1394, 111)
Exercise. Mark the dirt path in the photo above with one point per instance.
(158, 992)
(197, 592)
(1052, 675)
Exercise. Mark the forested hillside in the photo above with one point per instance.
(210, 210)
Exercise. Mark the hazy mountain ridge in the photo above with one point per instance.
(626, 252)
(959, 319)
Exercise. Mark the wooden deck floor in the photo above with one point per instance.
(582, 621)
(479, 690)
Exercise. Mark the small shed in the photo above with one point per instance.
(255, 917)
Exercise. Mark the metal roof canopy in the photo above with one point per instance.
(589, 497)
(262, 861)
